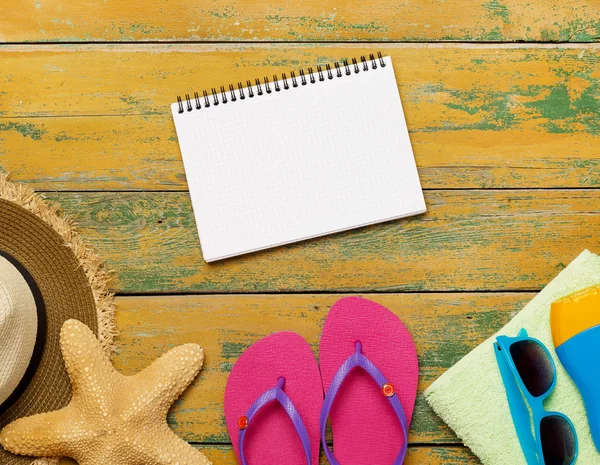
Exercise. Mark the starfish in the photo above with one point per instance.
(111, 419)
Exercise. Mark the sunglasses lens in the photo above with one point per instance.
(534, 366)
(558, 441)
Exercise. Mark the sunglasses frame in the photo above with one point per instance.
(517, 393)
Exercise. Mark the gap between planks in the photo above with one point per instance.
(492, 44)
(217, 46)
(321, 292)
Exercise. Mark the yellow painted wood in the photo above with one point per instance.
(223, 20)
(140, 152)
(96, 117)
(468, 240)
(445, 327)
(508, 85)
(224, 455)
(479, 117)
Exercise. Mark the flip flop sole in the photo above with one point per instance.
(366, 430)
(271, 437)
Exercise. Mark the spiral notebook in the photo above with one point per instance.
(294, 157)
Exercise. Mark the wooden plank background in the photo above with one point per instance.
(467, 107)
(468, 240)
(312, 20)
(502, 102)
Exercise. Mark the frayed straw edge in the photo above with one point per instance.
(88, 259)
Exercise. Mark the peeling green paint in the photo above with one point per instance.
(566, 113)
(63, 136)
(493, 35)
(499, 10)
(63, 21)
(580, 30)
(565, 107)
(226, 367)
(227, 13)
(495, 108)
(304, 27)
(232, 350)
(25, 129)
(146, 29)
(131, 100)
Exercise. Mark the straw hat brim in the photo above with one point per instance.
(72, 284)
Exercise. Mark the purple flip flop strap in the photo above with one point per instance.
(277, 394)
(357, 359)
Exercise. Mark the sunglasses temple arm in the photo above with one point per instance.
(518, 409)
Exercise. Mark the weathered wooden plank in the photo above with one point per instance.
(140, 152)
(225, 20)
(445, 327)
(456, 86)
(224, 455)
(479, 117)
(468, 240)
(102, 152)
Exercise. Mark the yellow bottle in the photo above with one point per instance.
(575, 322)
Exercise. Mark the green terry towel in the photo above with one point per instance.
(470, 396)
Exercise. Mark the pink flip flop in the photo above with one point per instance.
(273, 400)
(370, 408)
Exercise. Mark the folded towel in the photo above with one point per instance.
(470, 396)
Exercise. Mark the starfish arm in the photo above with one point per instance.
(84, 358)
(155, 388)
(160, 446)
(53, 434)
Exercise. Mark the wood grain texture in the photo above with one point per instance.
(445, 327)
(140, 152)
(479, 117)
(424, 455)
(468, 240)
(226, 20)
(96, 118)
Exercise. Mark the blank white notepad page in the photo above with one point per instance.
(299, 163)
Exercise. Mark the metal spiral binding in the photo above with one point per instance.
(220, 96)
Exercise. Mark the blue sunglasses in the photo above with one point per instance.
(529, 375)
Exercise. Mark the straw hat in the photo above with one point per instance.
(47, 276)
